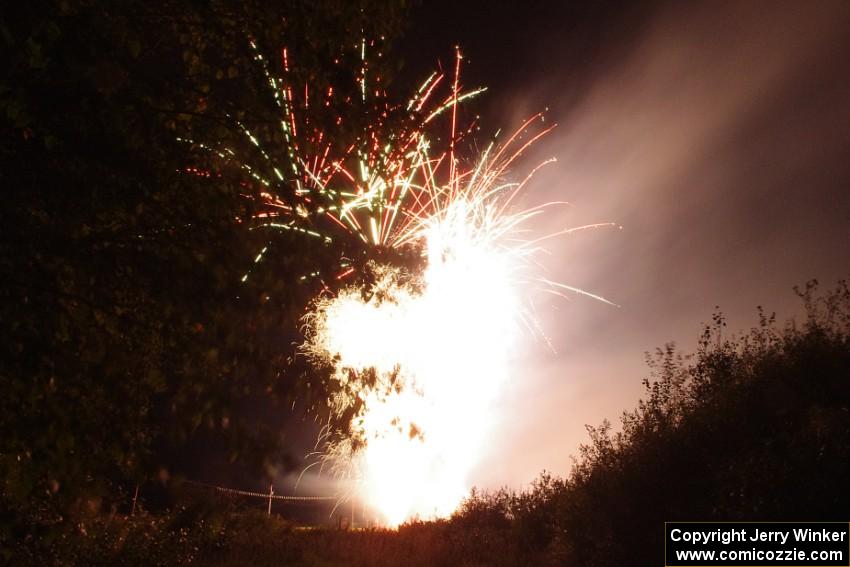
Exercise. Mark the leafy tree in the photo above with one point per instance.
(126, 330)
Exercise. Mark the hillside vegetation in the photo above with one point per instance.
(753, 427)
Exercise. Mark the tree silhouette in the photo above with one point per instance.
(126, 331)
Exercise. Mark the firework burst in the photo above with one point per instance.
(418, 355)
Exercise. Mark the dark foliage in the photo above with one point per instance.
(749, 428)
(755, 427)
(126, 332)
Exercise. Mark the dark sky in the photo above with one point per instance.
(717, 134)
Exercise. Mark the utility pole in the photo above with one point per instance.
(135, 498)
(271, 493)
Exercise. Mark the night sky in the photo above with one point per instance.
(717, 134)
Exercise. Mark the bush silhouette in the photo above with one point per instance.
(755, 427)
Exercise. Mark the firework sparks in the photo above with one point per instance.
(423, 357)
(418, 356)
(439, 345)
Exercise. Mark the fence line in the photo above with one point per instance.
(267, 495)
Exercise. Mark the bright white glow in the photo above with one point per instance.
(440, 345)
